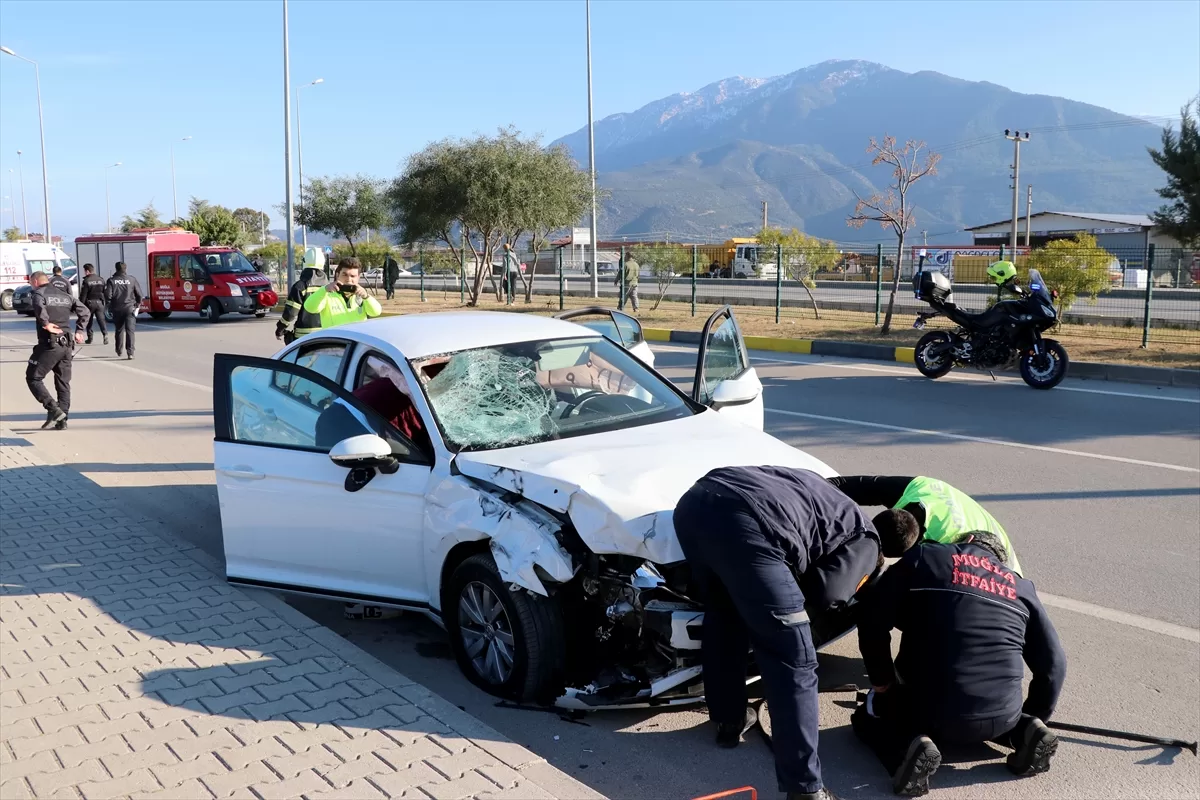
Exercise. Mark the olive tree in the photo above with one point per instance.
(342, 206)
(666, 262)
(803, 256)
(1073, 267)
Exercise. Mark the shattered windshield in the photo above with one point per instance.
(514, 394)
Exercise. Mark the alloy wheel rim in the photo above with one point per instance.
(486, 632)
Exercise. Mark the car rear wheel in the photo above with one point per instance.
(6, 301)
(509, 644)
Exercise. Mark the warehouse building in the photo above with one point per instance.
(1113, 232)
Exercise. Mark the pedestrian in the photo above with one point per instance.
(632, 272)
(391, 274)
(57, 278)
(343, 301)
(766, 547)
(124, 296)
(52, 309)
(970, 625)
(295, 321)
(942, 513)
(91, 294)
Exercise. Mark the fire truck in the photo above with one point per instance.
(177, 274)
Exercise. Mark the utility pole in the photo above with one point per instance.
(924, 238)
(1015, 137)
(592, 153)
(764, 202)
(287, 152)
(1028, 211)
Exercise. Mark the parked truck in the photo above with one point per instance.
(741, 258)
(177, 274)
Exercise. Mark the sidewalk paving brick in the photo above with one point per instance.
(131, 669)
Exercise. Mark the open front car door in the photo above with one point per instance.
(616, 326)
(725, 381)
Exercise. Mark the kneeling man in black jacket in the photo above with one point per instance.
(968, 622)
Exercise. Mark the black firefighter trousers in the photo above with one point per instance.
(751, 597)
(47, 358)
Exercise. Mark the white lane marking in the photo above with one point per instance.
(984, 440)
(127, 367)
(1112, 615)
(949, 378)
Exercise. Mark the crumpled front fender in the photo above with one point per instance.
(521, 534)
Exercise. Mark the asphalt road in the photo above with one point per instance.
(1174, 305)
(1098, 483)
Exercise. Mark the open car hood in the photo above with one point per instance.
(619, 488)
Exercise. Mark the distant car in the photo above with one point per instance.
(22, 296)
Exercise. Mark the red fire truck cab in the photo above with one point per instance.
(177, 274)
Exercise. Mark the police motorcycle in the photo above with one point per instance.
(1011, 330)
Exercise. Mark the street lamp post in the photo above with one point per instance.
(24, 210)
(12, 197)
(174, 197)
(300, 158)
(41, 130)
(287, 150)
(592, 154)
(107, 207)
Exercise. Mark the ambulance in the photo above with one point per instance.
(20, 259)
(177, 274)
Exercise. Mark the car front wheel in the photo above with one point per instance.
(509, 644)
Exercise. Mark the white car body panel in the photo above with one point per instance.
(620, 488)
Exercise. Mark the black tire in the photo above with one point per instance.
(539, 648)
(6, 302)
(159, 314)
(211, 310)
(932, 367)
(1050, 375)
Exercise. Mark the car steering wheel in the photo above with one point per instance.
(574, 406)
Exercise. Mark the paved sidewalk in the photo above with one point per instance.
(129, 668)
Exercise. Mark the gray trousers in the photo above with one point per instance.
(631, 296)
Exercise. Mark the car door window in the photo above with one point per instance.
(324, 358)
(191, 269)
(381, 385)
(311, 413)
(164, 268)
(722, 355)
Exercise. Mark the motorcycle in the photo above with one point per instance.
(1010, 331)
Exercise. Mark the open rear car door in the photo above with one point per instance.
(725, 381)
(617, 326)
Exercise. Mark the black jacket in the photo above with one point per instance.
(294, 316)
(92, 289)
(808, 516)
(967, 625)
(123, 292)
(61, 282)
(51, 305)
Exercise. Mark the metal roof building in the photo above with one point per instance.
(1112, 231)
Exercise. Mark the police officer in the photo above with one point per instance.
(56, 278)
(91, 294)
(52, 309)
(970, 626)
(767, 545)
(295, 321)
(124, 296)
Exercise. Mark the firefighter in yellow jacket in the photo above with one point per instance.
(343, 301)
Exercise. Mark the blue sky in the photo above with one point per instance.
(122, 80)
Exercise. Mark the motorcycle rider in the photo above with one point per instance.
(52, 309)
(91, 294)
(124, 295)
(921, 507)
(295, 321)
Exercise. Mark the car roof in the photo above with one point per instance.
(421, 335)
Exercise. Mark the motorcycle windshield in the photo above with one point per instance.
(1037, 287)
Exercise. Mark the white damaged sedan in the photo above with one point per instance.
(510, 475)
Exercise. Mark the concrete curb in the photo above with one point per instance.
(1125, 373)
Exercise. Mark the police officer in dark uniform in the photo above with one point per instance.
(767, 546)
(124, 296)
(295, 321)
(52, 309)
(91, 294)
(57, 279)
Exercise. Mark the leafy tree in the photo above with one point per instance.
(666, 262)
(371, 254)
(1180, 159)
(146, 218)
(253, 222)
(803, 256)
(892, 210)
(12, 234)
(272, 252)
(343, 206)
(1073, 267)
(215, 225)
(477, 193)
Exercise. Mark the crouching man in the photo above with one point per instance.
(968, 622)
(765, 546)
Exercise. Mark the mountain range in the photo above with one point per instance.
(699, 164)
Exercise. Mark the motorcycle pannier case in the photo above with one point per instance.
(932, 286)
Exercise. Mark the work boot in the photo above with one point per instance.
(88, 340)
(106, 338)
(129, 356)
(920, 762)
(730, 734)
(822, 794)
(61, 425)
(1036, 745)
(120, 352)
(54, 415)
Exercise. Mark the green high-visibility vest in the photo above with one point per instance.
(334, 310)
(950, 513)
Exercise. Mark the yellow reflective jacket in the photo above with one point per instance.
(334, 310)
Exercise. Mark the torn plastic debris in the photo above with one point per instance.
(486, 399)
(521, 533)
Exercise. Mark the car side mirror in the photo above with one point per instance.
(366, 451)
(736, 391)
